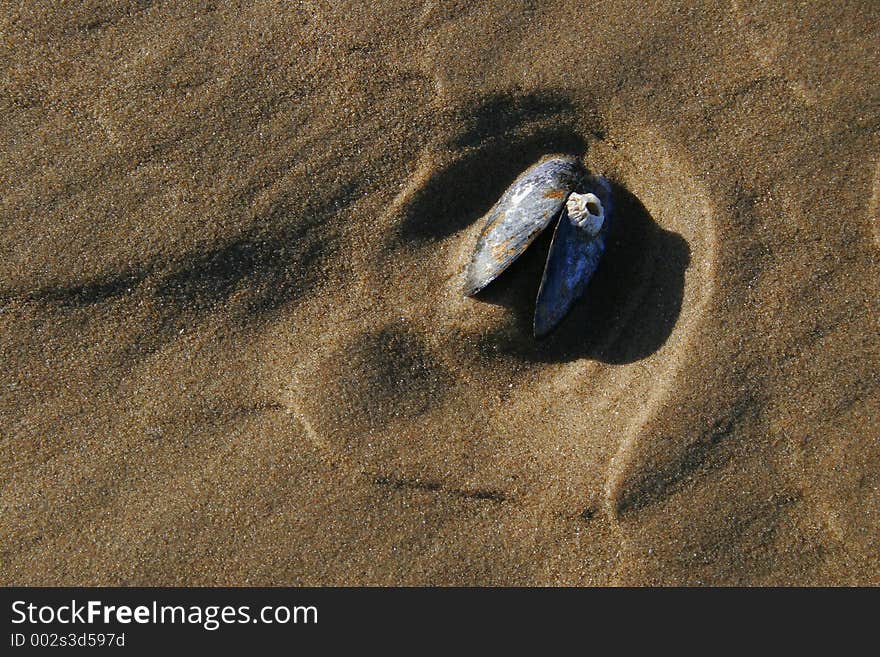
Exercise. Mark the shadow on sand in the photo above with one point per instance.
(628, 310)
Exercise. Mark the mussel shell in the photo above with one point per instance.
(574, 257)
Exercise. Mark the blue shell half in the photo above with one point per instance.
(573, 259)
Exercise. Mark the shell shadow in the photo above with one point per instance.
(466, 189)
(628, 311)
(501, 137)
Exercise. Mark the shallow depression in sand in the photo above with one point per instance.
(445, 384)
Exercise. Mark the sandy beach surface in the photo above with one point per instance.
(233, 344)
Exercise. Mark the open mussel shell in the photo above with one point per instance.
(530, 204)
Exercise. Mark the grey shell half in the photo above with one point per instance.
(528, 206)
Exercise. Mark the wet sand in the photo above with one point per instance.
(233, 344)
